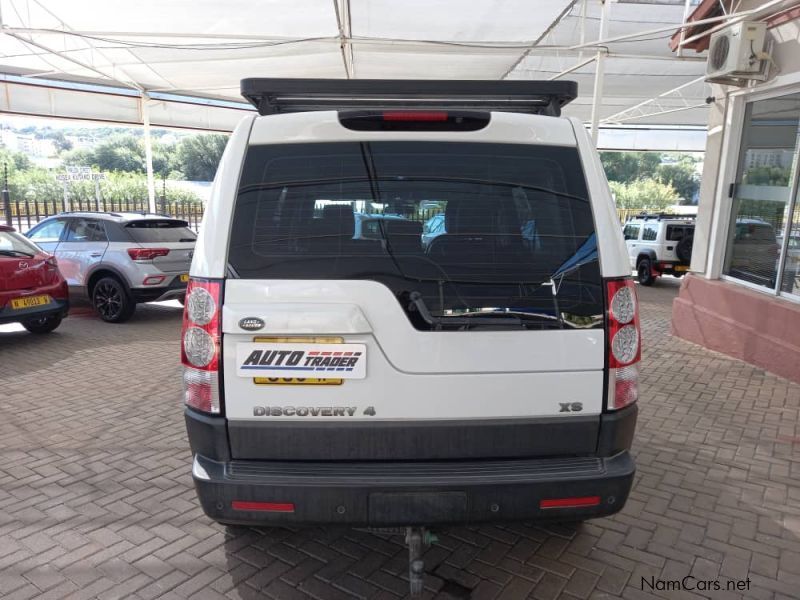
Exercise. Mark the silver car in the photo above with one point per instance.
(116, 260)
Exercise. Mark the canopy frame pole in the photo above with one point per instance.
(582, 38)
(631, 113)
(574, 67)
(344, 24)
(564, 13)
(686, 9)
(148, 153)
(599, 71)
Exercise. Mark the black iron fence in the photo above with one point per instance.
(24, 214)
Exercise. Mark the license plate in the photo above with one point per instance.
(30, 302)
(299, 361)
(295, 381)
(184, 277)
(680, 268)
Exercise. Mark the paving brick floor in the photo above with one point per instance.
(96, 498)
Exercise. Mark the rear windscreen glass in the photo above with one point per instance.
(675, 233)
(153, 230)
(465, 235)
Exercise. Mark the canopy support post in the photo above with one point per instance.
(148, 153)
(599, 71)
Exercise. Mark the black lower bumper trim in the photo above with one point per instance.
(480, 439)
(57, 307)
(382, 494)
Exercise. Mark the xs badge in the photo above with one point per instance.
(570, 406)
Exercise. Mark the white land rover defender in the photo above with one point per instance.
(386, 378)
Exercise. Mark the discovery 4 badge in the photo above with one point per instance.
(343, 361)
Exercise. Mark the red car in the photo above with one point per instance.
(32, 290)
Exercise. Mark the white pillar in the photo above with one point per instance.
(687, 7)
(148, 154)
(599, 71)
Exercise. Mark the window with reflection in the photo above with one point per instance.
(764, 221)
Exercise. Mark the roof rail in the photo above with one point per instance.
(272, 96)
(658, 216)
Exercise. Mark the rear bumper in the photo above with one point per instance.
(380, 494)
(671, 267)
(176, 289)
(57, 307)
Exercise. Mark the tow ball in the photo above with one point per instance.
(417, 539)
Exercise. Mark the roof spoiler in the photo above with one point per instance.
(273, 96)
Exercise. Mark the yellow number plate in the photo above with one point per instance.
(680, 268)
(298, 380)
(184, 277)
(30, 301)
(295, 381)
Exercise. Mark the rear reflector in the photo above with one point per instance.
(570, 502)
(285, 507)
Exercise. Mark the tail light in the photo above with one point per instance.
(624, 343)
(147, 253)
(200, 345)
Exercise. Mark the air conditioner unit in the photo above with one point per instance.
(736, 54)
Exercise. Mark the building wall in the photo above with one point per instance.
(748, 323)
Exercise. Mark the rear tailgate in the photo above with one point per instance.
(171, 234)
(488, 342)
(421, 393)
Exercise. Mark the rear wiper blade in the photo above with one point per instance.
(487, 318)
(16, 253)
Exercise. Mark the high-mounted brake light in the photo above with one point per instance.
(147, 253)
(414, 115)
(200, 345)
(624, 343)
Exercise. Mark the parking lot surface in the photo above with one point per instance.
(96, 498)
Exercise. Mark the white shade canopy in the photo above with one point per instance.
(203, 48)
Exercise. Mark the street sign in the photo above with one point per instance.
(80, 174)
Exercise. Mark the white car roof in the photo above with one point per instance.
(324, 126)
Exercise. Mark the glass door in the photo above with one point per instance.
(764, 209)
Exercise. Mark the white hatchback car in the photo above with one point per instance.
(376, 381)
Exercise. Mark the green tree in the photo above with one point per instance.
(776, 176)
(629, 166)
(199, 155)
(14, 161)
(120, 153)
(79, 157)
(60, 141)
(645, 194)
(682, 176)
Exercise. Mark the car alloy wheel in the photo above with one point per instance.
(112, 301)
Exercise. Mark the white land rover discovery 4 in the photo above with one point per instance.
(386, 377)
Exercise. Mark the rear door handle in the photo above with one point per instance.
(96, 254)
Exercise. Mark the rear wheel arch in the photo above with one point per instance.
(104, 271)
(646, 254)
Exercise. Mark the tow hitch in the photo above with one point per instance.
(417, 539)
